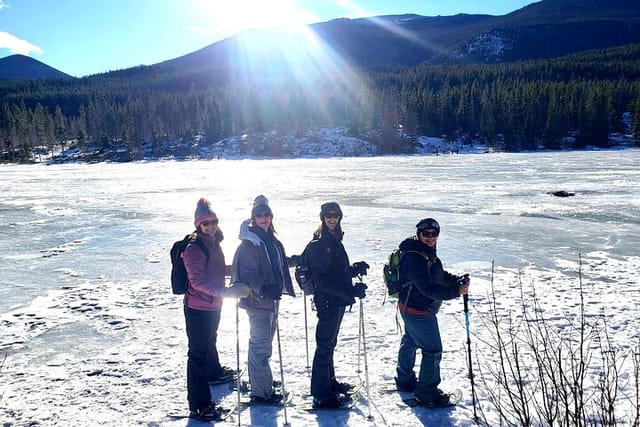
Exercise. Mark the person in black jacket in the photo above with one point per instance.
(426, 284)
(331, 275)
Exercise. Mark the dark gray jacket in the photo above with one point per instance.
(252, 265)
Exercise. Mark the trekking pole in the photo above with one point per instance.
(306, 330)
(465, 299)
(366, 366)
(238, 380)
(284, 393)
(359, 339)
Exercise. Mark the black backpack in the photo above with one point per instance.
(179, 279)
(303, 273)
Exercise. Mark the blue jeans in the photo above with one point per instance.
(202, 362)
(262, 328)
(420, 331)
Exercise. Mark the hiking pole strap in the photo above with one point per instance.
(465, 299)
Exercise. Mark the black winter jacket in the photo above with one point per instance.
(330, 271)
(427, 283)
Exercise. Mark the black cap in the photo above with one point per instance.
(428, 224)
(330, 207)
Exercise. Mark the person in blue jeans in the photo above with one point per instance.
(426, 285)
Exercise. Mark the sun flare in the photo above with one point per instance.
(238, 15)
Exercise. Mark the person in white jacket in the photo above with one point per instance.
(260, 262)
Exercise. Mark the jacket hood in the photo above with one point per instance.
(414, 244)
(246, 234)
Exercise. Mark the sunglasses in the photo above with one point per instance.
(332, 215)
(263, 215)
(208, 223)
(430, 233)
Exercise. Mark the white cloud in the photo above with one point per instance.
(17, 45)
(3, 5)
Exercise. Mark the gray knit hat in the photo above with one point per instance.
(260, 204)
(203, 212)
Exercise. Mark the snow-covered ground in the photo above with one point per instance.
(93, 336)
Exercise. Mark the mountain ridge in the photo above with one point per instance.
(549, 28)
(545, 29)
(22, 67)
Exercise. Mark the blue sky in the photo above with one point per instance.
(83, 37)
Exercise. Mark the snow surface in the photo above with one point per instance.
(93, 336)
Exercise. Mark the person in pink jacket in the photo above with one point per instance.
(202, 306)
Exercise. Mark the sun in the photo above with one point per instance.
(234, 16)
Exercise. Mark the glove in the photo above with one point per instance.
(464, 279)
(463, 284)
(271, 291)
(358, 290)
(359, 268)
(294, 260)
(236, 290)
(303, 277)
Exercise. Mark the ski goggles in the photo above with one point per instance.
(429, 233)
(208, 223)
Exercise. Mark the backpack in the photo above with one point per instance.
(391, 273)
(303, 273)
(179, 279)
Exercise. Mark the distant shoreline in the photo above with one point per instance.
(321, 143)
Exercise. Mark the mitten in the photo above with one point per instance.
(359, 268)
(236, 290)
(295, 260)
(358, 290)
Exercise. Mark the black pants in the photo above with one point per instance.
(323, 375)
(202, 363)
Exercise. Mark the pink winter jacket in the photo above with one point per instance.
(206, 277)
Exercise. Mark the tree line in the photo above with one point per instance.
(517, 105)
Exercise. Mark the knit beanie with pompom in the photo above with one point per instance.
(203, 212)
(260, 205)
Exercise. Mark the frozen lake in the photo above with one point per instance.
(69, 224)
(84, 262)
